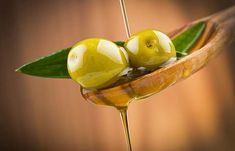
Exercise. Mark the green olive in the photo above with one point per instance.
(149, 49)
(96, 63)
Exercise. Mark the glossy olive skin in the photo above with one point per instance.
(149, 49)
(96, 63)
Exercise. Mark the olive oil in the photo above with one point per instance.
(125, 18)
(123, 111)
(118, 100)
(123, 114)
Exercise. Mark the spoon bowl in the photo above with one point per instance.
(217, 36)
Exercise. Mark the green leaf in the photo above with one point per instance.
(51, 66)
(120, 43)
(188, 38)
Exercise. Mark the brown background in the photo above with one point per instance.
(50, 115)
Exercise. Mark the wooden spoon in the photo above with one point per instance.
(217, 36)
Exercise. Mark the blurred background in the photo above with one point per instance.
(36, 114)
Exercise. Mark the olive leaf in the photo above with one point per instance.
(55, 64)
(185, 40)
(50, 66)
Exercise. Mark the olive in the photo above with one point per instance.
(149, 49)
(96, 63)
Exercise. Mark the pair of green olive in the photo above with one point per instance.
(97, 63)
